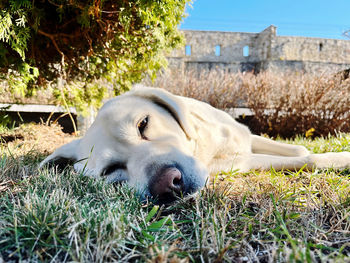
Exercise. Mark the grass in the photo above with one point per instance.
(52, 216)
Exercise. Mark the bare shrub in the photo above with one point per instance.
(284, 104)
(290, 104)
(217, 88)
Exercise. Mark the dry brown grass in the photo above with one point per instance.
(25, 145)
(39, 138)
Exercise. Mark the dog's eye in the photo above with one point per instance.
(141, 126)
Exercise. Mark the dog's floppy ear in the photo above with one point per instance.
(172, 103)
(66, 154)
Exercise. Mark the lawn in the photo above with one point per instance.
(46, 215)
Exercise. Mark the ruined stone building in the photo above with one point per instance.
(256, 52)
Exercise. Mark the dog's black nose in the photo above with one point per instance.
(167, 184)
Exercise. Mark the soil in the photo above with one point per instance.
(39, 138)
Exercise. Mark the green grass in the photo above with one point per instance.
(301, 216)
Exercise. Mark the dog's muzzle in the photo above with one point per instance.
(165, 173)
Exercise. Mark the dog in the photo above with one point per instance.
(165, 146)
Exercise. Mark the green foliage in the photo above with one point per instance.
(84, 41)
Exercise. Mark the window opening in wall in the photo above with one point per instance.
(246, 51)
(188, 50)
(217, 50)
(320, 47)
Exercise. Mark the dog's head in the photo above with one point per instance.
(144, 137)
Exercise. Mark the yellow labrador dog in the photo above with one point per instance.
(165, 145)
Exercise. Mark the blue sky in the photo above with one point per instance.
(311, 18)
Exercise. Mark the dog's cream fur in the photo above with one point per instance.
(181, 131)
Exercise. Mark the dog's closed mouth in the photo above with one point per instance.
(167, 199)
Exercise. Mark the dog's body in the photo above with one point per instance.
(161, 144)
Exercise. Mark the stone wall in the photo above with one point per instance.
(235, 51)
(311, 49)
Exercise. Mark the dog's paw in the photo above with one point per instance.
(337, 160)
(301, 151)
